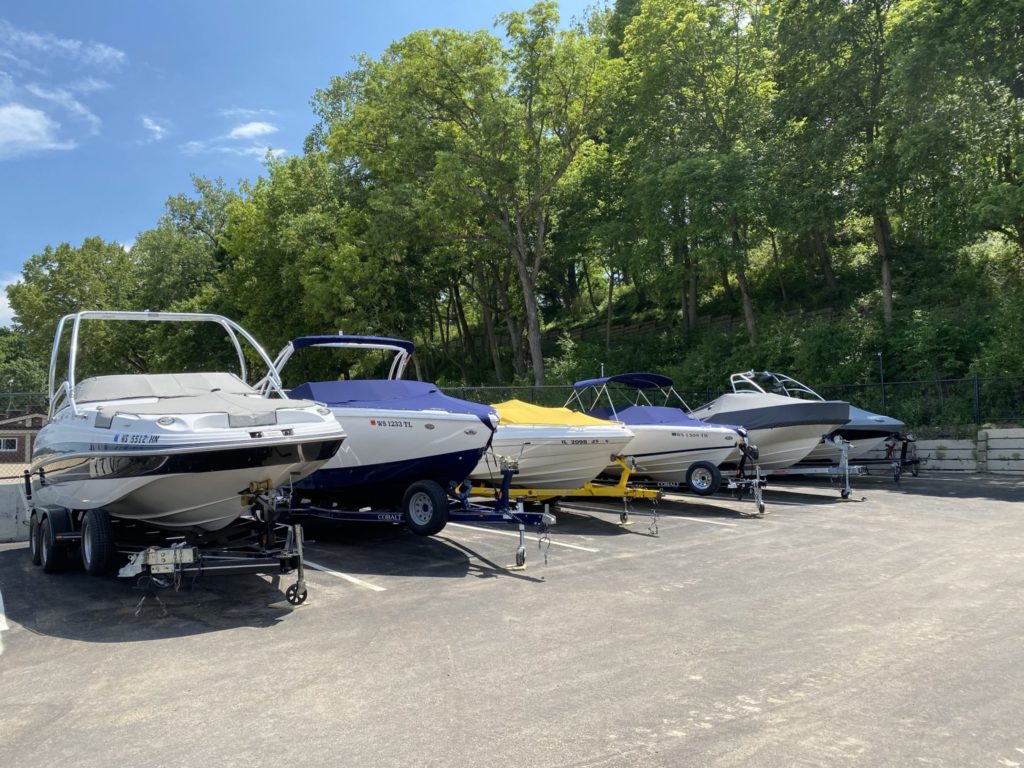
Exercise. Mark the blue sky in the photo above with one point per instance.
(108, 107)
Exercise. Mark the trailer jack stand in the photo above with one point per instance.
(296, 594)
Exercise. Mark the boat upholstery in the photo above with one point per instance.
(180, 393)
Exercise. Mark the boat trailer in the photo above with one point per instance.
(427, 508)
(623, 489)
(259, 542)
(841, 469)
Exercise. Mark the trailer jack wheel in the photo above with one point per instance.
(520, 556)
(294, 596)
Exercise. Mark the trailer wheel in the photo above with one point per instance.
(33, 539)
(97, 543)
(294, 596)
(703, 478)
(425, 508)
(53, 556)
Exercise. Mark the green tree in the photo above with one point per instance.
(65, 279)
(698, 74)
(484, 133)
(835, 74)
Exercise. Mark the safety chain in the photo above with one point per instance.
(544, 541)
(653, 527)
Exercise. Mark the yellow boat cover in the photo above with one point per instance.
(518, 412)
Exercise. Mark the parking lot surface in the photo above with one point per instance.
(883, 630)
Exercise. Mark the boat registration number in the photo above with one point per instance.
(390, 423)
(136, 439)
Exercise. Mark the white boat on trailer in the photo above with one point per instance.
(552, 448)
(408, 444)
(669, 445)
(784, 428)
(172, 452)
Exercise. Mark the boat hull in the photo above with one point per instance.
(385, 450)
(665, 452)
(782, 447)
(783, 429)
(199, 488)
(551, 456)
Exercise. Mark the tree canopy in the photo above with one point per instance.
(723, 171)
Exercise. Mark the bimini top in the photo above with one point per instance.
(518, 412)
(394, 395)
(650, 414)
(367, 341)
(637, 380)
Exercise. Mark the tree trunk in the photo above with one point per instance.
(533, 336)
(883, 240)
(824, 258)
(608, 314)
(482, 290)
(748, 304)
(468, 344)
(729, 295)
(777, 262)
(741, 279)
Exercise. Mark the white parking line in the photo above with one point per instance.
(510, 533)
(345, 576)
(701, 520)
(3, 623)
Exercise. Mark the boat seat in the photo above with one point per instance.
(186, 393)
(123, 387)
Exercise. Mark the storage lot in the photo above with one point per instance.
(878, 632)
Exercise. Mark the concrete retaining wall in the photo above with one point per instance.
(996, 451)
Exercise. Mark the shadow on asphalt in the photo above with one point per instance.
(947, 485)
(382, 549)
(92, 609)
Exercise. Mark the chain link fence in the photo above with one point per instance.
(933, 406)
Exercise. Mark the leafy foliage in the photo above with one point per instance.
(814, 186)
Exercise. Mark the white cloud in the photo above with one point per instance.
(6, 313)
(234, 113)
(81, 51)
(24, 130)
(89, 85)
(255, 150)
(63, 98)
(6, 85)
(156, 130)
(252, 130)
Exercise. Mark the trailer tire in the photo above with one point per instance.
(33, 539)
(703, 478)
(98, 550)
(425, 508)
(53, 556)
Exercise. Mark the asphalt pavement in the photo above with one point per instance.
(882, 630)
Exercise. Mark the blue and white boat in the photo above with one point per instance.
(669, 445)
(398, 432)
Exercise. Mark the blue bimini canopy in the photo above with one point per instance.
(637, 380)
(649, 414)
(314, 341)
(393, 395)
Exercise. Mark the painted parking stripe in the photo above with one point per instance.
(700, 520)
(481, 529)
(3, 623)
(345, 576)
(583, 508)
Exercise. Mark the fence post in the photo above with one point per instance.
(977, 399)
